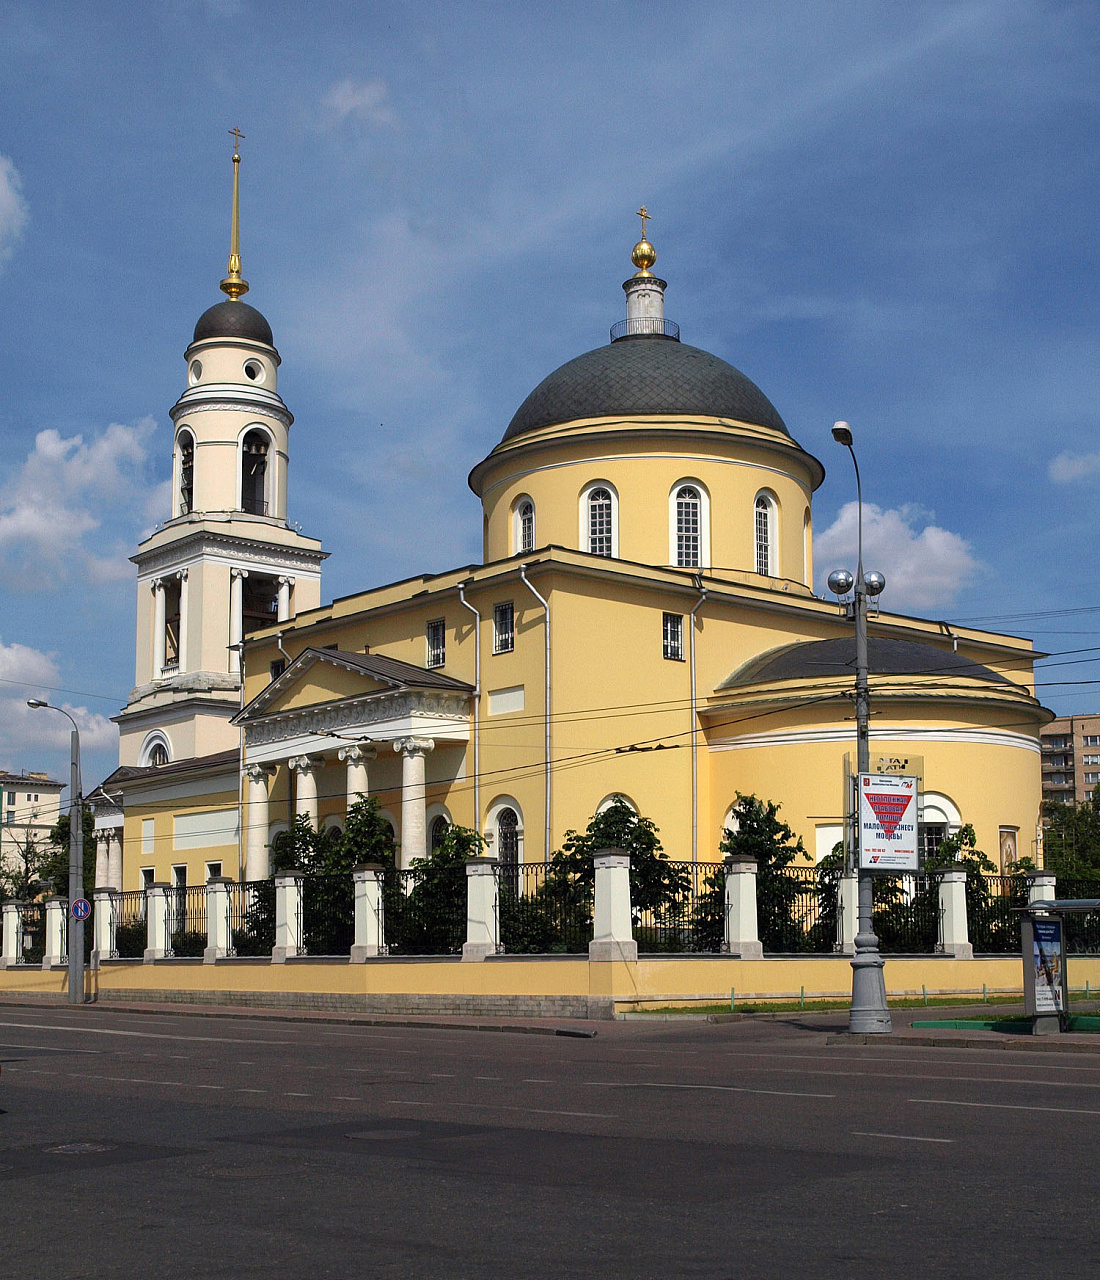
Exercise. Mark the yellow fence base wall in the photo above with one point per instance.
(560, 987)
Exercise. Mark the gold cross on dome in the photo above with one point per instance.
(237, 136)
(643, 213)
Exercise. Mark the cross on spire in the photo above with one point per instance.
(644, 214)
(237, 136)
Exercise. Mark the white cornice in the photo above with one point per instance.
(206, 544)
(227, 395)
(800, 737)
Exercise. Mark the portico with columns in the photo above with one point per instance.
(392, 730)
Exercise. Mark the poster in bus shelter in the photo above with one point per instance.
(1048, 966)
(887, 822)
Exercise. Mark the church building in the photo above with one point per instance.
(643, 625)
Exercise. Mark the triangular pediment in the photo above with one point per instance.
(321, 676)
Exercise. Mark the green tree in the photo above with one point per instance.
(1071, 840)
(55, 866)
(425, 905)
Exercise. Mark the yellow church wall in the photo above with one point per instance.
(644, 471)
(164, 854)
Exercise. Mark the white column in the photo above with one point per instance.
(158, 627)
(288, 916)
(954, 934)
(257, 865)
(357, 758)
(102, 840)
(236, 617)
(114, 858)
(182, 575)
(613, 933)
(742, 926)
(482, 910)
(57, 909)
(847, 913)
(219, 941)
(369, 923)
(104, 918)
(284, 599)
(158, 942)
(414, 837)
(1041, 886)
(11, 950)
(304, 769)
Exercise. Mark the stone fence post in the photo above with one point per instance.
(57, 949)
(158, 910)
(954, 934)
(742, 928)
(288, 916)
(1041, 886)
(104, 918)
(370, 925)
(482, 909)
(613, 932)
(219, 933)
(11, 950)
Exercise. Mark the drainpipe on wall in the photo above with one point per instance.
(694, 728)
(546, 613)
(477, 703)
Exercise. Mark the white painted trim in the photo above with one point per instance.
(583, 516)
(610, 799)
(157, 737)
(704, 522)
(798, 737)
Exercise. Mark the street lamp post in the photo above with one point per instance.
(869, 1012)
(76, 856)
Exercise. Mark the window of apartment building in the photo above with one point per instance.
(1092, 739)
(673, 636)
(436, 635)
(1091, 760)
(1057, 779)
(1091, 779)
(504, 627)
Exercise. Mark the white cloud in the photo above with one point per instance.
(55, 502)
(351, 100)
(26, 733)
(1067, 467)
(13, 208)
(923, 570)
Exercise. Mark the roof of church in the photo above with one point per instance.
(822, 659)
(644, 375)
(217, 762)
(231, 319)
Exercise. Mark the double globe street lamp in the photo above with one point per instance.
(869, 1012)
(76, 856)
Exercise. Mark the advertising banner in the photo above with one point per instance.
(1048, 966)
(887, 822)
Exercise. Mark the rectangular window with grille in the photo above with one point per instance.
(673, 630)
(504, 628)
(600, 527)
(436, 634)
(687, 528)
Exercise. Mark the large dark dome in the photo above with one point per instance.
(231, 319)
(640, 376)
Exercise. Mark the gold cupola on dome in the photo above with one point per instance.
(643, 255)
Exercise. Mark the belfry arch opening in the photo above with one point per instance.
(186, 473)
(254, 463)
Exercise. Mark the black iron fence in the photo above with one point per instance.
(34, 933)
(252, 917)
(424, 909)
(130, 932)
(187, 920)
(993, 912)
(328, 915)
(907, 913)
(798, 909)
(1082, 932)
(544, 910)
(692, 920)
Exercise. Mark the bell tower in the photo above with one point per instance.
(225, 561)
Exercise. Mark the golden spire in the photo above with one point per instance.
(234, 283)
(644, 254)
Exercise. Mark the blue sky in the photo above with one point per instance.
(879, 212)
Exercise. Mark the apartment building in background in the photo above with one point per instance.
(1071, 758)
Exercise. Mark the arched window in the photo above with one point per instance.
(525, 526)
(439, 831)
(158, 754)
(508, 848)
(764, 527)
(689, 527)
(254, 473)
(601, 522)
(187, 473)
(156, 750)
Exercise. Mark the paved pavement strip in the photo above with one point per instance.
(1025, 1044)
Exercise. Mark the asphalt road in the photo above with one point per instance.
(211, 1147)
